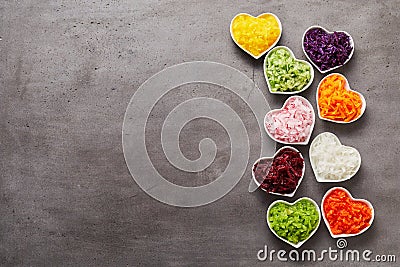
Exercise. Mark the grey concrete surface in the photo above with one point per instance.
(68, 71)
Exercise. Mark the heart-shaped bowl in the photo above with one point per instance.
(275, 111)
(261, 15)
(298, 60)
(331, 147)
(270, 159)
(347, 87)
(299, 244)
(328, 32)
(352, 199)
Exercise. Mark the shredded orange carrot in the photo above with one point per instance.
(337, 103)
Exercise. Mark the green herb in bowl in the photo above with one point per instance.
(286, 74)
(294, 223)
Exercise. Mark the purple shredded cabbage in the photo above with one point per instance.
(327, 50)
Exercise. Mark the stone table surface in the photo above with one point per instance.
(68, 70)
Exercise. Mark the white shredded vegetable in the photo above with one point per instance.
(331, 160)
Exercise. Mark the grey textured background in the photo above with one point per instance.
(68, 70)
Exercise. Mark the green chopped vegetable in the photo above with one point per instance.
(295, 222)
(285, 73)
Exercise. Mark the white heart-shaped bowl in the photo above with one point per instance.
(312, 62)
(356, 199)
(291, 204)
(314, 158)
(347, 86)
(305, 101)
(248, 52)
(300, 60)
(272, 158)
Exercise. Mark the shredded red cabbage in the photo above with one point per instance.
(327, 50)
(284, 174)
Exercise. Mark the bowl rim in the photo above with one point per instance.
(298, 245)
(322, 180)
(297, 59)
(347, 87)
(305, 142)
(272, 158)
(356, 199)
(269, 48)
(330, 32)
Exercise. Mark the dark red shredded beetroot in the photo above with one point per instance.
(284, 173)
(327, 50)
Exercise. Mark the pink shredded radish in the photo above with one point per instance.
(293, 123)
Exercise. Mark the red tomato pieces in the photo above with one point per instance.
(344, 214)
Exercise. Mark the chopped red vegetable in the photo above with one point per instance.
(344, 214)
(283, 175)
